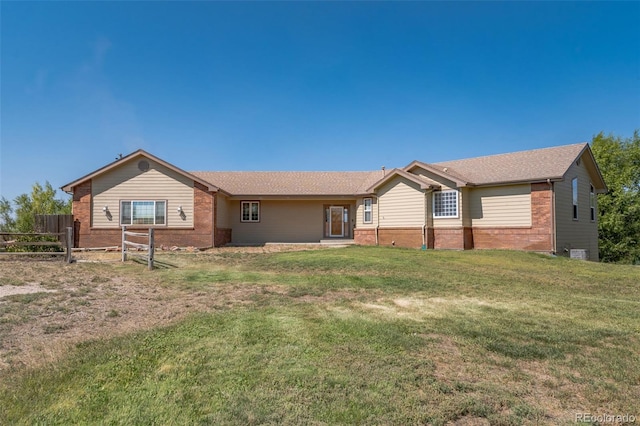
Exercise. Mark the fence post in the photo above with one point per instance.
(124, 246)
(152, 249)
(69, 243)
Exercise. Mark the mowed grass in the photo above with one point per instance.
(361, 335)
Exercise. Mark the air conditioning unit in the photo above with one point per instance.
(582, 254)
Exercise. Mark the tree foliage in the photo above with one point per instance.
(619, 209)
(41, 200)
(7, 223)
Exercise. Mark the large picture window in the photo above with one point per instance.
(143, 212)
(445, 204)
(250, 211)
(368, 210)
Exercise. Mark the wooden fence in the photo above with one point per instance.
(149, 248)
(54, 224)
(35, 239)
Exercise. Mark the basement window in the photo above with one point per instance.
(250, 211)
(445, 203)
(143, 212)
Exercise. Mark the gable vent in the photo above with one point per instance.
(143, 165)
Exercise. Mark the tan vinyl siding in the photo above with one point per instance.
(434, 179)
(127, 182)
(224, 219)
(360, 213)
(281, 221)
(401, 203)
(501, 206)
(581, 233)
(446, 184)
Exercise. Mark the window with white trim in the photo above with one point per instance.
(368, 210)
(445, 203)
(250, 211)
(574, 191)
(592, 203)
(148, 212)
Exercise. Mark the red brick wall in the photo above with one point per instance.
(81, 209)
(400, 237)
(448, 238)
(223, 236)
(364, 236)
(201, 235)
(538, 237)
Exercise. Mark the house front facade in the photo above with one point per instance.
(542, 200)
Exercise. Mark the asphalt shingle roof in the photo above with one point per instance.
(292, 183)
(523, 166)
(533, 165)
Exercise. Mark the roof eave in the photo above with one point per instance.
(603, 188)
(291, 196)
(518, 181)
(459, 182)
(402, 173)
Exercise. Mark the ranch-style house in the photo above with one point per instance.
(542, 200)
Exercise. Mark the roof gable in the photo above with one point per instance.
(135, 155)
(423, 184)
(442, 172)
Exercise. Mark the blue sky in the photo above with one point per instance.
(306, 85)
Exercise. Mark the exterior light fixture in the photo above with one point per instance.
(179, 209)
(105, 209)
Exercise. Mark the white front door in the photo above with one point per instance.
(336, 227)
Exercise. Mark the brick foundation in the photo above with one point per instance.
(223, 236)
(400, 237)
(448, 238)
(364, 236)
(167, 237)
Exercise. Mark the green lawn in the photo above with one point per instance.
(359, 335)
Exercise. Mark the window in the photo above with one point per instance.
(574, 189)
(368, 210)
(445, 204)
(250, 211)
(143, 212)
(592, 203)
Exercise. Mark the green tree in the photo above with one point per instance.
(42, 200)
(7, 223)
(619, 209)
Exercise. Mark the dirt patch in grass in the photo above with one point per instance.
(75, 303)
(48, 307)
(10, 290)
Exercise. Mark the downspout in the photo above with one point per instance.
(377, 218)
(425, 222)
(214, 213)
(553, 216)
(384, 173)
